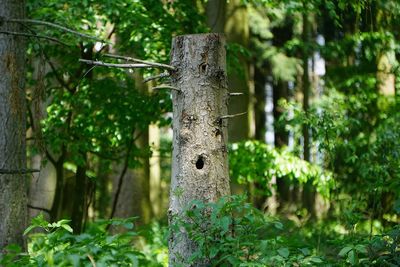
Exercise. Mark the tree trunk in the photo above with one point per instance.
(80, 198)
(281, 91)
(141, 183)
(199, 157)
(308, 190)
(237, 31)
(216, 10)
(59, 190)
(13, 187)
(103, 194)
(260, 115)
(155, 172)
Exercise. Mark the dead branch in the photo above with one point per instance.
(150, 63)
(232, 116)
(57, 26)
(91, 260)
(155, 77)
(35, 36)
(165, 86)
(38, 208)
(235, 94)
(114, 65)
(20, 171)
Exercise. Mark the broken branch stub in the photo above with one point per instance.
(199, 158)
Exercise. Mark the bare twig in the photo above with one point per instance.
(121, 176)
(91, 260)
(235, 94)
(113, 65)
(57, 26)
(165, 86)
(232, 116)
(38, 208)
(150, 63)
(20, 171)
(159, 76)
(35, 36)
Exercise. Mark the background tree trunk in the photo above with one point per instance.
(308, 195)
(13, 187)
(199, 157)
(238, 32)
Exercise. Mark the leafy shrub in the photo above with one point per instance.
(237, 234)
(55, 245)
(254, 161)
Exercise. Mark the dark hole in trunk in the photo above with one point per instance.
(200, 163)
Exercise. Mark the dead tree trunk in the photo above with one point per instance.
(13, 185)
(200, 105)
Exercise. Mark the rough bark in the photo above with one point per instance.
(199, 157)
(13, 187)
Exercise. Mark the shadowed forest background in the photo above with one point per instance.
(314, 151)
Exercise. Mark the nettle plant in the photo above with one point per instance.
(237, 234)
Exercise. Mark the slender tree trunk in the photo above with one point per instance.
(282, 34)
(259, 106)
(155, 172)
(141, 183)
(103, 194)
(308, 190)
(237, 31)
(199, 158)
(281, 91)
(80, 198)
(216, 10)
(13, 187)
(58, 194)
(41, 188)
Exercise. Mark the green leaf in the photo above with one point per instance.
(278, 225)
(316, 260)
(30, 228)
(128, 225)
(225, 222)
(352, 257)
(67, 227)
(344, 251)
(305, 251)
(213, 251)
(284, 252)
(362, 249)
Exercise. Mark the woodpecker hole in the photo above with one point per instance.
(200, 163)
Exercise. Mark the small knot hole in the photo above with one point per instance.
(200, 163)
